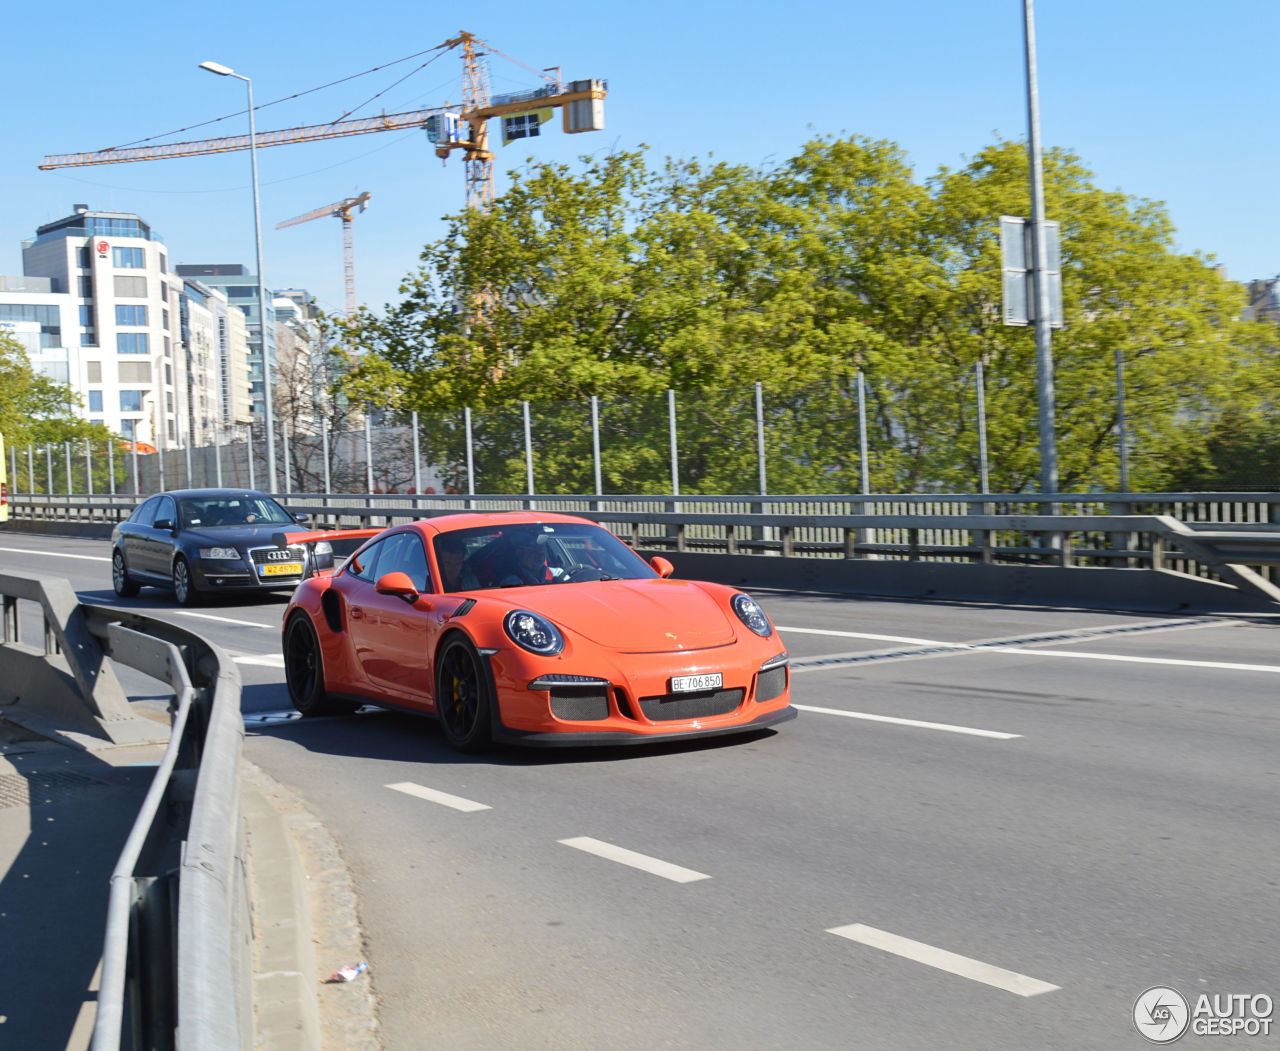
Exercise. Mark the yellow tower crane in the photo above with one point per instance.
(340, 210)
(464, 127)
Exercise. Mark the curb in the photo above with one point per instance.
(305, 926)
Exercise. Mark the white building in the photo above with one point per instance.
(118, 348)
(200, 345)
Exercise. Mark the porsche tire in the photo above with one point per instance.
(462, 696)
(120, 579)
(304, 671)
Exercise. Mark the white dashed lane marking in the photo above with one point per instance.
(953, 963)
(225, 620)
(260, 660)
(467, 806)
(55, 554)
(916, 723)
(643, 862)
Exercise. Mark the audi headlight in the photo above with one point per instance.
(750, 613)
(533, 633)
(220, 552)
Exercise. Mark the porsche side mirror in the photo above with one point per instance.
(661, 566)
(398, 584)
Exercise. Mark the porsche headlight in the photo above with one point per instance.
(533, 633)
(323, 547)
(220, 552)
(750, 613)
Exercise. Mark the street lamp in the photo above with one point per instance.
(225, 71)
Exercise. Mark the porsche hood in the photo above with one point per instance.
(634, 616)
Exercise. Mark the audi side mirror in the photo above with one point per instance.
(400, 585)
(302, 518)
(163, 524)
(661, 566)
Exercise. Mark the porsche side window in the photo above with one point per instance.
(404, 554)
(365, 563)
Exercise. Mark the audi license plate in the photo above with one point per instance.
(281, 569)
(696, 683)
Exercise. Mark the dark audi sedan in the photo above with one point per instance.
(202, 541)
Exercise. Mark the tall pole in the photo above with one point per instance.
(1122, 437)
(31, 469)
(675, 454)
(324, 450)
(595, 442)
(1044, 349)
(137, 488)
(368, 452)
(88, 466)
(984, 479)
(284, 441)
(863, 468)
(249, 447)
(764, 478)
(471, 464)
(417, 456)
(528, 450)
(111, 465)
(268, 414)
(217, 455)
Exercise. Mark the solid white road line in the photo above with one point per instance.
(872, 637)
(953, 963)
(55, 554)
(637, 861)
(1173, 661)
(948, 727)
(467, 806)
(260, 660)
(224, 620)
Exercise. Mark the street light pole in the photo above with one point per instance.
(1044, 351)
(268, 415)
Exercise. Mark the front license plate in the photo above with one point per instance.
(696, 683)
(281, 569)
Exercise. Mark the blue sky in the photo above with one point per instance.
(1170, 100)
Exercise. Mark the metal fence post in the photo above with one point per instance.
(324, 451)
(284, 443)
(137, 490)
(31, 469)
(764, 479)
(984, 480)
(13, 470)
(88, 466)
(191, 478)
(111, 466)
(249, 446)
(48, 464)
(217, 458)
(160, 463)
(66, 448)
(1122, 437)
(471, 465)
(675, 455)
(368, 452)
(528, 451)
(417, 457)
(595, 442)
(867, 536)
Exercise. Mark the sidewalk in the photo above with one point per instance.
(64, 817)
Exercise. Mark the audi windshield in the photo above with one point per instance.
(215, 511)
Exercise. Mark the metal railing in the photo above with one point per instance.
(176, 960)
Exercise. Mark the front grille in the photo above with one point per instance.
(771, 684)
(690, 705)
(265, 556)
(580, 703)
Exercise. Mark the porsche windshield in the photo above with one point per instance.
(523, 555)
(214, 511)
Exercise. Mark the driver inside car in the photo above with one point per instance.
(529, 563)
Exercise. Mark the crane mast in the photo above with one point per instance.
(340, 210)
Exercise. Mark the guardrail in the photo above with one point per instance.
(176, 962)
(1207, 535)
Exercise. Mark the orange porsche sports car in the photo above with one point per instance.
(537, 629)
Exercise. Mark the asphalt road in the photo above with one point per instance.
(1051, 812)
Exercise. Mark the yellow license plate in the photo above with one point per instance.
(281, 569)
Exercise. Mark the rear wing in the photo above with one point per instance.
(327, 549)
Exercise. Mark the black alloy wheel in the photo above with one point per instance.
(304, 671)
(184, 588)
(462, 696)
(120, 580)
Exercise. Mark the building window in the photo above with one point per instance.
(165, 314)
(168, 374)
(131, 400)
(168, 347)
(86, 316)
(128, 258)
(164, 291)
(164, 263)
(130, 315)
(82, 258)
(94, 369)
(173, 435)
(88, 338)
(95, 401)
(132, 343)
(169, 401)
(86, 288)
(129, 428)
(129, 287)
